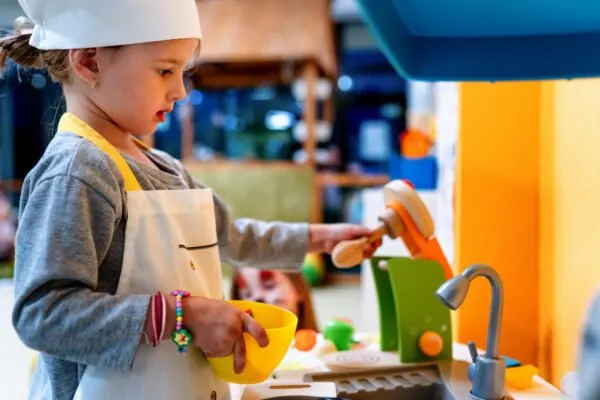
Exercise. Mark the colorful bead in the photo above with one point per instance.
(181, 336)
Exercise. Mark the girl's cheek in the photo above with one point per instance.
(283, 296)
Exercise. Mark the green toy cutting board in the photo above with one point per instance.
(408, 307)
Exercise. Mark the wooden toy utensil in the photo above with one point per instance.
(349, 253)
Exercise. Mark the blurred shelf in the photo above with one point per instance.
(6, 270)
(10, 186)
(350, 180)
(197, 164)
(340, 278)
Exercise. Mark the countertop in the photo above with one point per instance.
(296, 364)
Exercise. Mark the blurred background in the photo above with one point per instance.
(298, 116)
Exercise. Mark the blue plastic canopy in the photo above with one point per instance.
(487, 40)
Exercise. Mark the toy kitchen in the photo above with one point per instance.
(413, 355)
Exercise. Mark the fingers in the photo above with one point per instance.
(372, 248)
(239, 355)
(377, 244)
(357, 231)
(239, 347)
(255, 329)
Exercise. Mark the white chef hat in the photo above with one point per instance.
(73, 24)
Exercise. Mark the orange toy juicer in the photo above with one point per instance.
(406, 217)
(413, 321)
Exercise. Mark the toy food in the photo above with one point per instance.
(313, 269)
(305, 339)
(341, 333)
(324, 347)
(521, 377)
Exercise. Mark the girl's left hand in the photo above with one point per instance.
(324, 237)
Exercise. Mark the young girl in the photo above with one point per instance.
(288, 290)
(7, 229)
(118, 248)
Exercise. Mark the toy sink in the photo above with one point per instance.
(415, 300)
(492, 40)
(444, 380)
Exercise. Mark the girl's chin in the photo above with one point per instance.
(145, 131)
(291, 306)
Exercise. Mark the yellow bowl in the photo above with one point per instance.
(280, 325)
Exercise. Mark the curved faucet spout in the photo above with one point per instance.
(487, 371)
(497, 304)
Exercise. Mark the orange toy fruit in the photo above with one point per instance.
(305, 339)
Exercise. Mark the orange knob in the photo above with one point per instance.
(431, 344)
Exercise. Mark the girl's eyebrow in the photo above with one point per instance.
(173, 61)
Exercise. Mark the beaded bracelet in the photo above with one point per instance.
(181, 336)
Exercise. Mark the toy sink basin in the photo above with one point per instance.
(492, 40)
(444, 380)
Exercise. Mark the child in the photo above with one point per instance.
(7, 229)
(112, 235)
(584, 384)
(288, 290)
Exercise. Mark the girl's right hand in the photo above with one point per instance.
(217, 328)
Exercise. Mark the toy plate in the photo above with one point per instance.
(493, 40)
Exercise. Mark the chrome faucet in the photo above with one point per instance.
(487, 373)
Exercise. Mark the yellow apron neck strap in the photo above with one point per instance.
(71, 123)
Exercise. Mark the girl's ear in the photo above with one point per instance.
(85, 64)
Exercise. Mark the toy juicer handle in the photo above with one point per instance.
(407, 217)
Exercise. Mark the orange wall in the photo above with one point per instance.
(497, 212)
(571, 208)
(528, 203)
(547, 232)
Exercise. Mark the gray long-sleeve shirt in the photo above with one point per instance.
(589, 355)
(69, 251)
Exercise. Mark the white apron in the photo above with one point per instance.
(170, 243)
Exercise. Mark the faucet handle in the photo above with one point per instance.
(472, 351)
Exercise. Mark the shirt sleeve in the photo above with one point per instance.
(65, 231)
(589, 357)
(260, 244)
(248, 242)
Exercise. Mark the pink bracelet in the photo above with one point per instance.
(159, 318)
(153, 305)
(164, 317)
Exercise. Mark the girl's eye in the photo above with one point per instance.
(165, 72)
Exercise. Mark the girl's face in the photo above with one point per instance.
(138, 85)
(270, 287)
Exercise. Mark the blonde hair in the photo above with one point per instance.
(17, 48)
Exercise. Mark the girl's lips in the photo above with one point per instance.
(161, 116)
